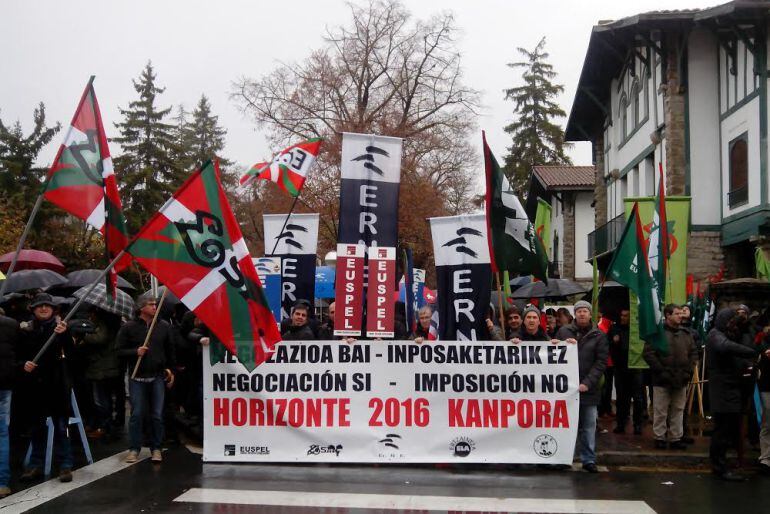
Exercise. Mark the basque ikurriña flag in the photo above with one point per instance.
(288, 169)
(194, 246)
(82, 181)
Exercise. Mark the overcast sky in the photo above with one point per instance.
(51, 47)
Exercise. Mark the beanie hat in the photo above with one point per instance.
(42, 299)
(582, 304)
(530, 308)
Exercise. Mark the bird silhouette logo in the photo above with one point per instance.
(390, 441)
(459, 243)
(288, 235)
(368, 158)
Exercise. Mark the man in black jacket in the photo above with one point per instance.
(593, 350)
(147, 388)
(725, 357)
(299, 329)
(9, 338)
(764, 392)
(628, 382)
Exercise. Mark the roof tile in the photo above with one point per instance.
(565, 177)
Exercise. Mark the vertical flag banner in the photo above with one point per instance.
(269, 272)
(463, 275)
(543, 224)
(296, 246)
(288, 169)
(349, 290)
(513, 243)
(82, 180)
(194, 246)
(370, 177)
(407, 282)
(380, 304)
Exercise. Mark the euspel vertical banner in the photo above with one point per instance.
(370, 175)
(380, 304)
(349, 290)
(296, 246)
(463, 275)
(269, 272)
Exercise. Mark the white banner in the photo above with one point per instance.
(395, 401)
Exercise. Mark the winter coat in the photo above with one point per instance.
(674, 369)
(593, 350)
(99, 346)
(726, 362)
(301, 333)
(48, 388)
(161, 354)
(540, 335)
(619, 349)
(9, 339)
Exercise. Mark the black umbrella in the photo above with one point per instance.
(27, 279)
(557, 288)
(86, 277)
(608, 284)
(171, 298)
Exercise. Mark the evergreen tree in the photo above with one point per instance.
(537, 140)
(206, 138)
(147, 171)
(183, 147)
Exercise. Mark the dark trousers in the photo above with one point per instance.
(727, 432)
(605, 406)
(629, 388)
(109, 395)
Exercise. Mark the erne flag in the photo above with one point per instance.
(513, 242)
(288, 169)
(194, 246)
(629, 267)
(82, 181)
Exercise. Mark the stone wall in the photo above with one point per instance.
(600, 189)
(568, 265)
(704, 254)
(674, 103)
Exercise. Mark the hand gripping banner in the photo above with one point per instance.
(463, 275)
(296, 246)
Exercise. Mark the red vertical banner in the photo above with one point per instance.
(380, 303)
(349, 287)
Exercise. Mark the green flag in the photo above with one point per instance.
(630, 267)
(543, 224)
(762, 264)
(513, 242)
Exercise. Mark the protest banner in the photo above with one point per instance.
(349, 290)
(395, 401)
(295, 240)
(380, 304)
(463, 275)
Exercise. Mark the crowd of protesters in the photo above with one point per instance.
(100, 356)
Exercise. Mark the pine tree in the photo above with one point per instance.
(147, 171)
(183, 146)
(537, 140)
(206, 138)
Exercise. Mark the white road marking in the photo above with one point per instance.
(409, 502)
(47, 491)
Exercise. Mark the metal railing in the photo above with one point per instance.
(606, 237)
(738, 196)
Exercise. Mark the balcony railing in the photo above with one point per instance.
(738, 196)
(606, 237)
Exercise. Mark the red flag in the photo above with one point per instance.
(82, 180)
(288, 169)
(194, 246)
(664, 248)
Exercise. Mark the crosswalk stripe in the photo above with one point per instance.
(410, 502)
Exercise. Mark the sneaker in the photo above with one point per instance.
(156, 456)
(677, 445)
(132, 456)
(660, 445)
(65, 475)
(31, 474)
(590, 467)
(5, 491)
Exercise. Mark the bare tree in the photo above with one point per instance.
(385, 74)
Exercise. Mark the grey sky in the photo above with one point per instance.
(51, 47)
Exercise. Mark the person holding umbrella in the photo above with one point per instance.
(156, 350)
(47, 385)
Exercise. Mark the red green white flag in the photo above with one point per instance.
(194, 246)
(82, 180)
(288, 169)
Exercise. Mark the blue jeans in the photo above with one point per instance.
(146, 397)
(61, 443)
(5, 451)
(586, 438)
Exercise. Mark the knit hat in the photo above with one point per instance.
(42, 299)
(530, 308)
(582, 304)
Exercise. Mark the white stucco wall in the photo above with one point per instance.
(745, 119)
(703, 107)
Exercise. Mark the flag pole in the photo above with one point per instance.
(146, 343)
(293, 204)
(22, 240)
(77, 305)
(501, 314)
